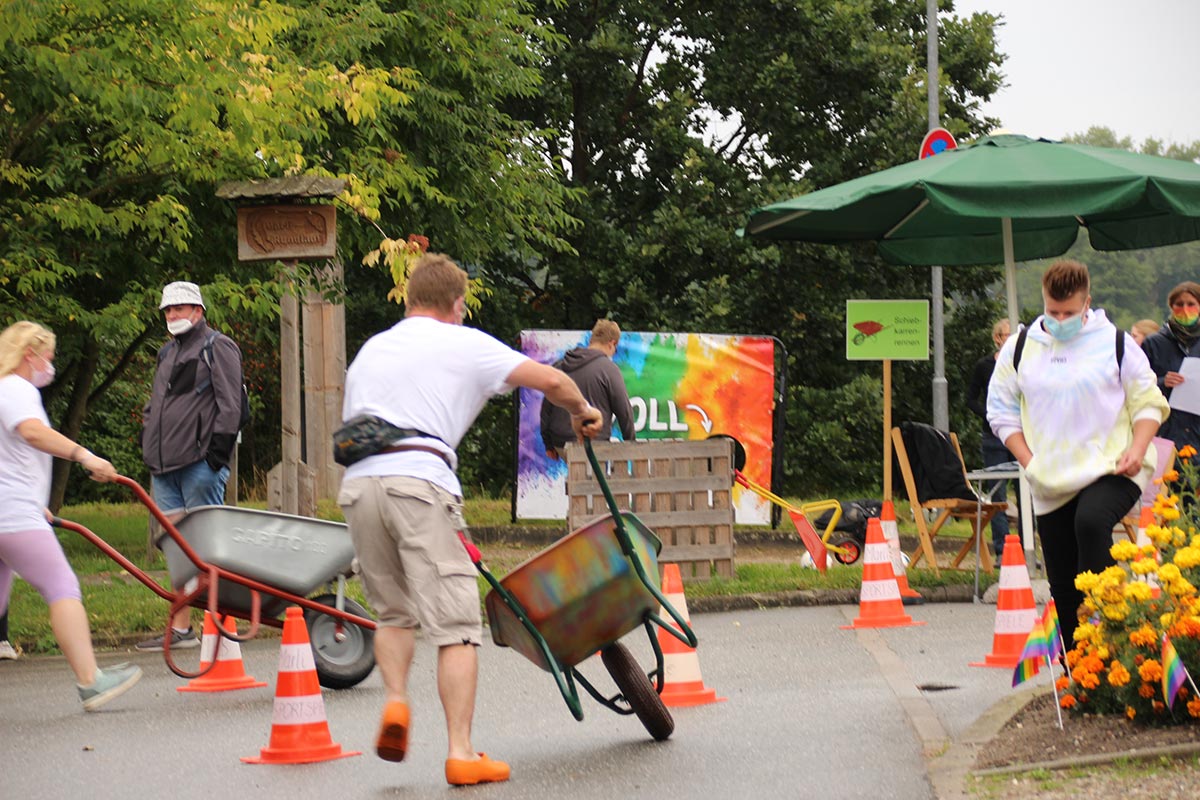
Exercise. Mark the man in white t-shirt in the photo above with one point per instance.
(430, 375)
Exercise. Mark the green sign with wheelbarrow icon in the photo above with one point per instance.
(877, 330)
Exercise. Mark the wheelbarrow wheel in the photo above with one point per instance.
(853, 551)
(637, 690)
(342, 661)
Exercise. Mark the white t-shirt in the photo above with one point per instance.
(24, 470)
(430, 376)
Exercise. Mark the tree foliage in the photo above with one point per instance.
(120, 118)
(674, 120)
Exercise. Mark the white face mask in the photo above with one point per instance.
(178, 327)
(43, 377)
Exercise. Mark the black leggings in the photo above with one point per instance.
(1077, 538)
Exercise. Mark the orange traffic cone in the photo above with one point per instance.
(1145, 520)
(879, 599)
(891, 533)
(682, 682)
(228, 673)
(1015, 610)
(299, 731)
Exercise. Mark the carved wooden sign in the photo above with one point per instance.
(280, 232)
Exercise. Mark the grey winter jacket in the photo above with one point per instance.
(193, 412)
(600, 381)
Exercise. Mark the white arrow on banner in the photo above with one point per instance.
(705, 422)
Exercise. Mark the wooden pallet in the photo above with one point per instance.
(678, 488)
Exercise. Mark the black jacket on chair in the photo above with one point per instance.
(936, 466)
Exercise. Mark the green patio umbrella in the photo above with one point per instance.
(1000, 199)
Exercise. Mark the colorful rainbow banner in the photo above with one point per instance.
(681, 386)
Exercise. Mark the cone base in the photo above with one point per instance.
(694, 697)
(913, 599)
(999, 662)
(303, 755)
(220, 685)
(900, 621)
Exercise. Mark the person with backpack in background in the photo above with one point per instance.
(191, 423)
(1077, 404)
(1178, 339)
(992, 449)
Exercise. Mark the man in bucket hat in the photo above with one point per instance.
(191, 421)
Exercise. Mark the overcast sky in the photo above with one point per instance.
(1133, 67)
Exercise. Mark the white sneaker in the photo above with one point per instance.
(8, 652)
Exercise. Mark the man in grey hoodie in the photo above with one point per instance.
(191, 421)
(600, 380)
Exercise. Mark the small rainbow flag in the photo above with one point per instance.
(1053, 631)
(1026, 669)
(1036, 648)
(1174, 673)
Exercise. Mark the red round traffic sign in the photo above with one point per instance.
(936, 141)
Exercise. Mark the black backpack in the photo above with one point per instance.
(1020, 346)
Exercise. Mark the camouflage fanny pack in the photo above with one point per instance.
(366, 435)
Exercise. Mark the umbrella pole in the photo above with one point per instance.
(887, 430)
(1010, 273)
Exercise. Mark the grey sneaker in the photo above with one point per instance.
(179, 641)
(8, 652)
(110, 684)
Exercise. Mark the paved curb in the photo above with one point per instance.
(952, 772)
(815, 597)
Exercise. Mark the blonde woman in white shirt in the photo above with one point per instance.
(28, 546)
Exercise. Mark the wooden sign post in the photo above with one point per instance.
(282, 220)
(883, 330)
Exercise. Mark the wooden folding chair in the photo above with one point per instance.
(978, 514)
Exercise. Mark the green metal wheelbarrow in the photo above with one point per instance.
(581, 595)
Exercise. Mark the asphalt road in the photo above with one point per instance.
(813, 711)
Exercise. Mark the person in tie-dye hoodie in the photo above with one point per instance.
(1080, 422)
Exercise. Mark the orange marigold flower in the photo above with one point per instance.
(1193, 707)
(1150, 671)
(1187, 451)
(1089, 680)
(1092, 663)
(1130, 712)
(1159, 706)
(1147, 690)
(1068, 702)
(1117, 674)
(1144, 637)
(1170, 476)
(1062, 683)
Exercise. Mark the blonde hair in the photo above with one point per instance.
(605, 331)
(19, 337)
(436, 282)
(1145, 327)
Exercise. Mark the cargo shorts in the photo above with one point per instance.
(414, 567)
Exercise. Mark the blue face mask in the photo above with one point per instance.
(1065, 329)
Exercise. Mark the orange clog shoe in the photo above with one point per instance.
(392, 742)
(469, 773)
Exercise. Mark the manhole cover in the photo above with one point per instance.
(936, 687)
